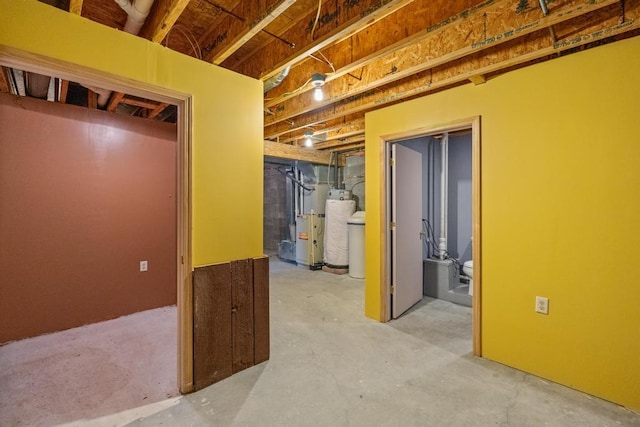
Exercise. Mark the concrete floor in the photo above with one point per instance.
(332, 366)
(125, 366)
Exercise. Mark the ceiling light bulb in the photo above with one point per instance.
(317, 94)
(308, 140)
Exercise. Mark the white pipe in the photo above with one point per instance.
(444, 199)
(137, 12)
(103, 94)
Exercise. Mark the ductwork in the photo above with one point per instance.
(37, 85)
(137, 12)
(276, 80)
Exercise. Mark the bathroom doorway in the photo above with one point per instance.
(433, 206)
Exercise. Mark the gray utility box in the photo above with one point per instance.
(441, 279)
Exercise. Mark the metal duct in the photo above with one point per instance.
(37, 85)
(276, 80)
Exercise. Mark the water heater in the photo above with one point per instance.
(337, 194)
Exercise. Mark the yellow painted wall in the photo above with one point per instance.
(560, 214)
(227, 121)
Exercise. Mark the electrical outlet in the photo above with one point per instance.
(144, 265)
(542, 305)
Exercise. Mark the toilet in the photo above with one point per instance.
(467, 268)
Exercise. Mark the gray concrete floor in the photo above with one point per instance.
(332, 366)
(124, 366)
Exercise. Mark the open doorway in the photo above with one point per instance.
(180, 258)
(422, 257)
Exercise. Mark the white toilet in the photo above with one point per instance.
(467, 268)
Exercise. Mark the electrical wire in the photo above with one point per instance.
(327, 61)
(313, 29)
(295, 180)
(293, 92)
(195, 46)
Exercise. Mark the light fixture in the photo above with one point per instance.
(317, 81)
(308, 139)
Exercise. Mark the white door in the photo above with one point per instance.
(406, 213)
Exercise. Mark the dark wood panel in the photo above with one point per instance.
(261, 309)
(212, 338)
(242, 313)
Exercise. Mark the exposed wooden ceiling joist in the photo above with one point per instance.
(4, 81)
(374, 53)
(75, 6)
(449, 24)
(331, 145)
(157, 110)
(422, 84)
(235, 34)
(414, 58)
(366, 17)
(116, 97)
(283, 151)
(331, 133)
(163, 16)
(64, 90)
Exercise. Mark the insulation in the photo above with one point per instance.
(336, 243)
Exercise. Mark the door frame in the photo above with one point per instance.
(36, 63)
(386, 141)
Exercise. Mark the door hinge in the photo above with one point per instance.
(393, 289)
(392, 225)
(182, 259)
(392, 162)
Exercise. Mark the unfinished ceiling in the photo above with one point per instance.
(371, 53)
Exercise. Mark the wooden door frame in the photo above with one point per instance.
(386, 141)
(27, 61)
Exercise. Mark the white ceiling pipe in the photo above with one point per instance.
(137, 12)
(103, 94)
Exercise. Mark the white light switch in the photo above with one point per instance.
(144, 265)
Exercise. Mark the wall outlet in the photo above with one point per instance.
(542, 305)
(144, 265)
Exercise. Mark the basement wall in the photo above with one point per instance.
(559, 211)
(85, 196)
(275, 207)
(226, 121)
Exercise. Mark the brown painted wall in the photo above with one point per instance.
(85, 195)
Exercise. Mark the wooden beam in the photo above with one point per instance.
(345, 147)
(163, 16)
(478, 79)
(64, 90)
(431, 32)
(116, 97)
(150, 105)
(349, 28)
(75, 7)
(4, 81)
(339, 143)
(335, 132)
(238, 33)
(418, 64)
(421, 86)
(159, 109)
(283, 151)
(92, 99)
